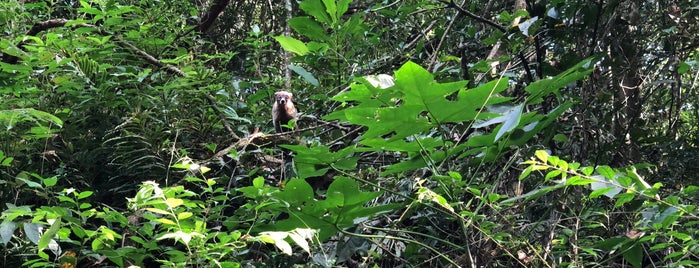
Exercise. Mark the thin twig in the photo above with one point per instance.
(473, 16)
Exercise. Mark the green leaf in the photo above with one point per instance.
(174, 202)
(542, 155)
(7, 229)
(258, 182)
(606, 171)
(49, 182)
(683, 67)
(577, 180)
(331, 9)
(602, 185)
(342, 7)
(305, 74)
(534, 194)
(425, 193)
(601, 191)
(552, 174)
(29, 183)
(292, 45)
(165, 221)
(47, 237)
(634, 255)
(539, 89)
(184, 215)
(344, 206)
(623, 198)
(316, 9)
(85, 194)
(526, 172)
(308, 27)
(296, 193)
(681, 236)
(158, 211)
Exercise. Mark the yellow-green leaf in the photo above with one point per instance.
(174, 202)
(184, 215)
(165, 221)
(292, 44)
(542, 155)
(158, 211)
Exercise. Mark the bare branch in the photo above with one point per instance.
(473, 16)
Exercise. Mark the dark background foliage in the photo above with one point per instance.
(100, 96)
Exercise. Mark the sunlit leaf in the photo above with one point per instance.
(292, 44)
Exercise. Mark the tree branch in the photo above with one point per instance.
(473, 16)
(212, 14)
(37, 28)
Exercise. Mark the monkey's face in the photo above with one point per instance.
(282, 97)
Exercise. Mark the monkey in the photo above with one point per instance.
(283, 110)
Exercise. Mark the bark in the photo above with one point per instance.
(212, 14)
(627, 87)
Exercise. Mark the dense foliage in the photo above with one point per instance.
(431, 133)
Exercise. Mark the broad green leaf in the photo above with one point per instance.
(342, 7)
(308, 27)
(29, 183)
(7, 229)
(345, 192)
(316, 9)
(47, 237)
(602, 191)
(306, 170)
(305, 74)
(297, 193)
(623, 198)
(258, 182)
(668, 217)
(552, 174)
(14, 212)
(49, 182)
(634, 255)
(539, 89)
(344, 206)
(679, 235)
(292, 45)
(174, 202)
(11, 117)
(349, 163)
(683, 67)
(414, 163)
(411, 145)
(331, 9)
(526, 172)
(606, 171)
